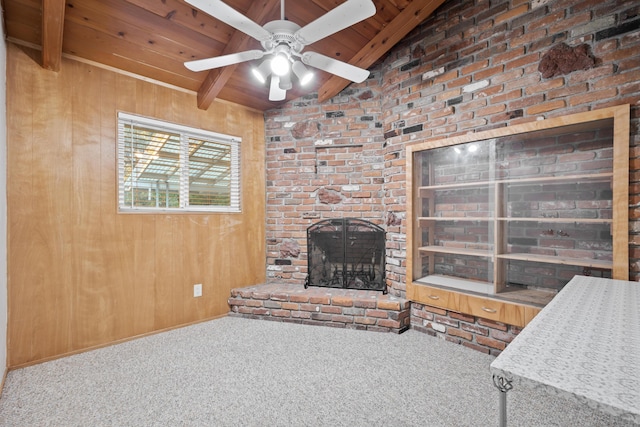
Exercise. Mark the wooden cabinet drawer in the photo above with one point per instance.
(486, 308)
(499, 311)
(434, 296)
(530, 313)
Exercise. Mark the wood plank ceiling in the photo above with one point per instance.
(153, 38)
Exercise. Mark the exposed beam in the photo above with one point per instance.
(216, 79)
(416, 12)
(52, 30)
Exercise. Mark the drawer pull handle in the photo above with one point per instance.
(434, 297)
(489, 310)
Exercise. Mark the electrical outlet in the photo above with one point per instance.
(197, 290)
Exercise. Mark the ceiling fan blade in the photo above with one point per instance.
(339, 18)
(232, 17)
(275, 93)
(333, 66)
(224, 60)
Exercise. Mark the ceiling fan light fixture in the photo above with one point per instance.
(302, 72)
(275, 93)
(262, 72)
(285, 82)
(280, 65)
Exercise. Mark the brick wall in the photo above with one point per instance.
(472, 66)
(323, 161)
(473, 332)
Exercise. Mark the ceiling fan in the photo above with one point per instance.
(283, 41)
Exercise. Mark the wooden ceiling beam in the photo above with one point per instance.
(217, 79)
(415, 12)
(52, 31)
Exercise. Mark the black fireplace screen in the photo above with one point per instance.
(346, 253)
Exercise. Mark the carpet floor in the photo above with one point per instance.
(242, 372)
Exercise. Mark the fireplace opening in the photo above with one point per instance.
(346, 253)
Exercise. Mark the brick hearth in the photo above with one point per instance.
(342, 308)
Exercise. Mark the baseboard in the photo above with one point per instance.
(4, 378)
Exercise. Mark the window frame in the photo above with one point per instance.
(186, 133)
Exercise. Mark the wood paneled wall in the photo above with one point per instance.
(80, 274)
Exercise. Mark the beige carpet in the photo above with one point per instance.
(243, 372)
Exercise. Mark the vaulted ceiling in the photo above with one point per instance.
(153, 39)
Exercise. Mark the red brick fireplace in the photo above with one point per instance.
(342, 308)
(473, 65)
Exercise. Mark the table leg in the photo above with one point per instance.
(503, 385)
(503, 409)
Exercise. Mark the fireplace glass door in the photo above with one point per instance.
(346, 253)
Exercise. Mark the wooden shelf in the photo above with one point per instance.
(592, 177)
(595, 177)
(559, 220)
(476, 184)
(456, 251)
(536, 297)
(457, 218)
(457, 283)
(551, 259)
(516, 219)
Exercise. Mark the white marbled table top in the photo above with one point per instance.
(584, 345)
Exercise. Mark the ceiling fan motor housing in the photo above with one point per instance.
(282, 33)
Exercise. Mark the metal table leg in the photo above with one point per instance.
(503, 409)
(503, 385)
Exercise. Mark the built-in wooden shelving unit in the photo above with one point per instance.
(500, 220)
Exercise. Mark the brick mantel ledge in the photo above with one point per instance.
(343, 308)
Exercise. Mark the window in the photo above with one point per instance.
(168, 167)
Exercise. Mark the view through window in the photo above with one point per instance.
(164, 166)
